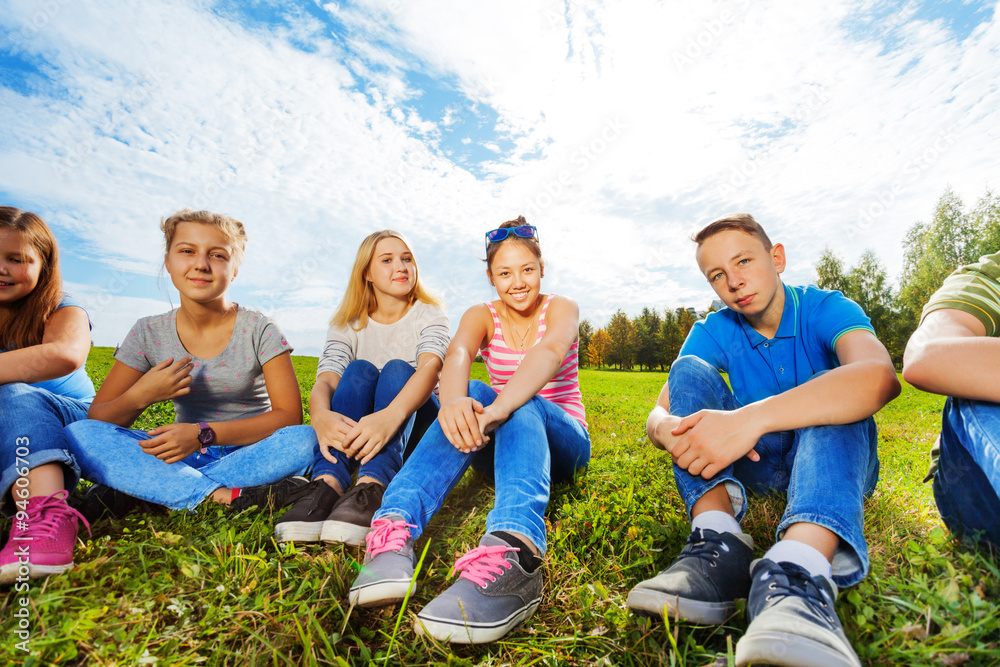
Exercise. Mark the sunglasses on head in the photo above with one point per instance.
(524, 231)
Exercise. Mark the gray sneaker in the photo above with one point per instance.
(703, 582)
(492, 595)
(388, 566)
(792, 620)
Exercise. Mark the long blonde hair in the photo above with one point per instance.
(24, 325)
(359, 301)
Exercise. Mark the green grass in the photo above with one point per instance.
(213, 588)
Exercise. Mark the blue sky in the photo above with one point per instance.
(619, 128)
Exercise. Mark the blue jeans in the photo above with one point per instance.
(31, 428)
(540, 443)
(967, 482)
(363, 390)
(111, 455)
(827, 471)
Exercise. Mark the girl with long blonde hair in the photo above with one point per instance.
(374, 383)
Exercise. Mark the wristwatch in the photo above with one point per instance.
(207, 436)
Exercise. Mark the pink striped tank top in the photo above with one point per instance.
(564, 387)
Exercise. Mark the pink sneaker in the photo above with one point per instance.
(41, 539)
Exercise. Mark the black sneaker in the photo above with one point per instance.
(352, 515)
(100, 500)
(271, 496)
(303, 522)
(792, 620)
(702, 584)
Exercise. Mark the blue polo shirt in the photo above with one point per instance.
(811, 324)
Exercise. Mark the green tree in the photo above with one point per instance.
(621, 352)
(586, 333)
(670, 338)
(985, 218)
(685, 320)
(830, 272)
(933, 250)
(647, 326)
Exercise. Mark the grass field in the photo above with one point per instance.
(212, 588)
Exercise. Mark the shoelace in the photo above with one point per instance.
(801, 585)
(482, 564)
(705, 547)
(44, 516)
(387, 535)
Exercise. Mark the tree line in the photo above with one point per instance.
(931, 251)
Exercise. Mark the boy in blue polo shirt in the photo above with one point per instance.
(807, 375)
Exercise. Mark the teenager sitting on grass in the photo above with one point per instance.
(526, 430)
(807, 375)
(956, 352)
(228, 371)
(374, 385)
(45, 339)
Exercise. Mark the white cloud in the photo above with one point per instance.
(621, 128)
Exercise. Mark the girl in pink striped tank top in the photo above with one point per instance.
(527, 431)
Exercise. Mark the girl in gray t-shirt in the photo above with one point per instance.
(374, 384)
(228, 371)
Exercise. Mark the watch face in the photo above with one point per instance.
(207, 435)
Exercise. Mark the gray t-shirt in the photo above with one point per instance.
(228, 386)
(424, 328)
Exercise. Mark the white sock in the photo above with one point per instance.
(720, 522)
(800, 553)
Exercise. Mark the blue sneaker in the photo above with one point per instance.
(703, 583)
(792, 620)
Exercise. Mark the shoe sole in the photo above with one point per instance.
(460, 632)
(654, 603)
(381, 594)
(11, 571)
(787, 650)
(299, 531)
(345, 533)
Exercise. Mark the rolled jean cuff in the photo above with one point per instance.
(693, 487)
(71, 473)
(850, 561)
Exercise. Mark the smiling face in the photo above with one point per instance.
(200, 262)
(392, 272)
(20, 267)
(517, 274)
(743, 273)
